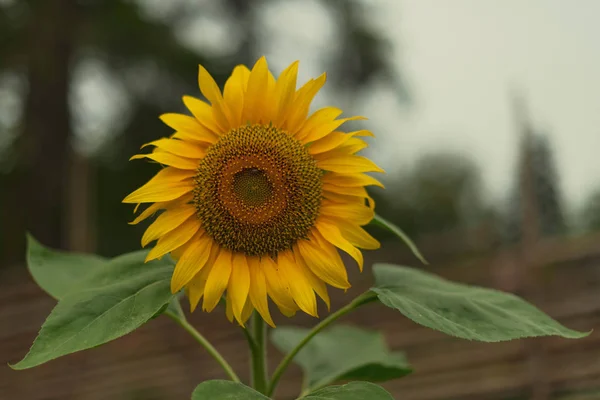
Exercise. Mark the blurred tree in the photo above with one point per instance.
(36, 189)
(590, 213)
(363, 53)
(535, 203)
(442, 192)
(545, 189)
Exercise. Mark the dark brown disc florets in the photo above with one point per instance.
(257, 191)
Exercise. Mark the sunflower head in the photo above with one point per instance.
(256, 196)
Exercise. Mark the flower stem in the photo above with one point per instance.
(259, 354)
(204, 343)
(364, 298)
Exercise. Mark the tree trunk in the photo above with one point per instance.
(44, 143)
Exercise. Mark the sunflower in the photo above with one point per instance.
(257, 196)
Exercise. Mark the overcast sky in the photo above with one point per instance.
(462, 57)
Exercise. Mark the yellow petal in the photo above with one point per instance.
(217, 280)
(278, 286)
(203, 114)
(179, 148)
(357, 213)
(329, 142)
(192, 139)
(350, 180)
(195, 288)
(301, 291)
(271, 100)
(333, 140)
(174, 239)
(359, 191)
(148, 212)
(239, 285)
(317, 284)
(258, 290)
(348, 164)
(349, 148)
(170, 160)
(246, 311)
(167, 184)
(318, 118)
(301, 105)
(192, 260)
(357, 235)
(352, 146)
(324, 261)
(166, 222)
(229, 307)
(211, 91)
(285, 90)
(233, 93)
(332, 234)
(255, 100)
(288, 312)
(362, 132)
(189, 126)
(325, 129)
(333, 199)
(178, 252)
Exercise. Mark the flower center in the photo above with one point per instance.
(252, 186)
(258, 191)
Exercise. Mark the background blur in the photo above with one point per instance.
(487, 122)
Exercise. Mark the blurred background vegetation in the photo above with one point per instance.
(82, 83)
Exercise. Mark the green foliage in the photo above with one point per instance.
(228, 390)
(111, 302)
(590, 213)
(57, 272)
(225, 390)
(342, 353)
(385, 224)
(351, 391)
(442, 191)
(463, 311)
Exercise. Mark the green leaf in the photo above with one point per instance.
(385, 224)
(342, 353)
(116, 300)
(351, 391)
(225, 390)
(467, 312)
(57, 272)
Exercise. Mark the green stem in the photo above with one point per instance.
(259, 354)
(204, 343)
(360, 300)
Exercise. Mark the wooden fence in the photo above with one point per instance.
(159, 361)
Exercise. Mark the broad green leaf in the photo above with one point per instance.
(385, 224)
(57, 272)
(225, 390)
(342, 353)
(116, 300)
(351, 391)
(467, 312)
